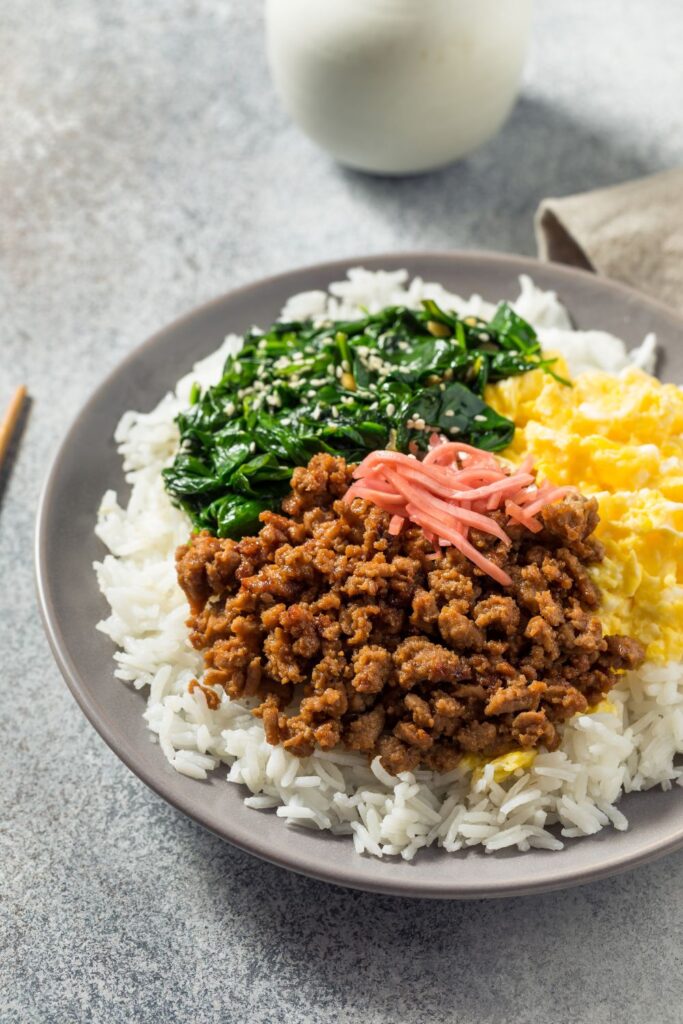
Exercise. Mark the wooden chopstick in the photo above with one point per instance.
(10, 420)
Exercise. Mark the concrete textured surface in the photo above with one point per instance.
(146, 166)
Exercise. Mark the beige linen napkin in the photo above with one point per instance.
(632, 233)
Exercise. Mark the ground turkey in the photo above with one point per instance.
(348, 635)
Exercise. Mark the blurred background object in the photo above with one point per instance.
(12, 423)
(10, 420)
(397, 86)
(632, 232)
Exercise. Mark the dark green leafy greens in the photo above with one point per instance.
(387, 380)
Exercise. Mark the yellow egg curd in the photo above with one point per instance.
(619, 438)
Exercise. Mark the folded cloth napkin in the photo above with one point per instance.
(632, 233)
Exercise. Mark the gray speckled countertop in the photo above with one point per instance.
(146, 167)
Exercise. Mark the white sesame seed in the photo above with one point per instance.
(480, 419)
(338, 371)
(346, 366)
(237, 367)
(391, 409)
(454, 430)
(252, 447)
(420, 423)
(230, 409)
(331, 370)
(449, 412)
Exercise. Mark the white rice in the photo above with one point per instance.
(576, 787)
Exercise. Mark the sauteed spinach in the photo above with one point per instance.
(387, 380)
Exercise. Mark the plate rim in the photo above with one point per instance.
(78, 686)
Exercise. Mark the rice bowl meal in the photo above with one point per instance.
(411, 566)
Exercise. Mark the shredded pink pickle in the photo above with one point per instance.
(452, 490)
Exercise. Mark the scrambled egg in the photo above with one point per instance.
(621, 440)
(503, 766)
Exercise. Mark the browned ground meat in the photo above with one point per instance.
(390, 651)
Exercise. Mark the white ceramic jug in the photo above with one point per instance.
(398, 86)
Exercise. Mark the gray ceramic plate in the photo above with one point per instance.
(87, 464)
